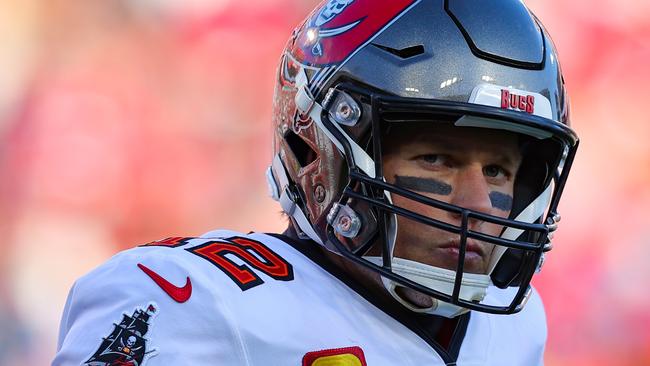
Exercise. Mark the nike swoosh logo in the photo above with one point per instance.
(179, 294)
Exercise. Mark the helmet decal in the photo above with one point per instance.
(331, 10)
(340, 27)
(524, 103)
(511, 98)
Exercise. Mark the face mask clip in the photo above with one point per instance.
(344, 220)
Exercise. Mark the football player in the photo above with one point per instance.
(420, 151)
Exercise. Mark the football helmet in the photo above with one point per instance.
(353, 69)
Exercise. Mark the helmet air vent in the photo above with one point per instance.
(403, 53)
(301, 150)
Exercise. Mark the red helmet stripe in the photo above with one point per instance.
(339, 27)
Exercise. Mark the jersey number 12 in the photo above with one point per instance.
(255, 255)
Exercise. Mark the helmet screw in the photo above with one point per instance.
(344, 220)
(345, 223)
(344, 110)
(319, 193)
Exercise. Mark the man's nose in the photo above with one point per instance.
(471, 189)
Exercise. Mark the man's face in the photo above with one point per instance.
(467, 167)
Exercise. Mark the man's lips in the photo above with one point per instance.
(475, 258)
(471, 246)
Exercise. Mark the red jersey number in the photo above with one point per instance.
(256, 255)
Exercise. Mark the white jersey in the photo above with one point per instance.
(256, 300)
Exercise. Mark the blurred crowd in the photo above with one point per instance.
(123, 121)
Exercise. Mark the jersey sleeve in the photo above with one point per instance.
(147, 306)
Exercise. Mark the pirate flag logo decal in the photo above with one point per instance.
(339, 27)
(126, 345)
(326, 14)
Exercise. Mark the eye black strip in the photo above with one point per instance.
(501, 201)
(423, 185)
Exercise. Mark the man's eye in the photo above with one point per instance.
(433, 159)
(495, 171)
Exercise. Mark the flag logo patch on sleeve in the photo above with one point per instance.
(126, 345)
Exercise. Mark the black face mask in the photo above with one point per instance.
(523, 242)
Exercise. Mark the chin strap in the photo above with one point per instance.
(473, 286)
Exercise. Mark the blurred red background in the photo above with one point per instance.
(127, 121)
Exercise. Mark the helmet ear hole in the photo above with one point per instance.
(509, 266)
(534, 173)
(300, 149)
